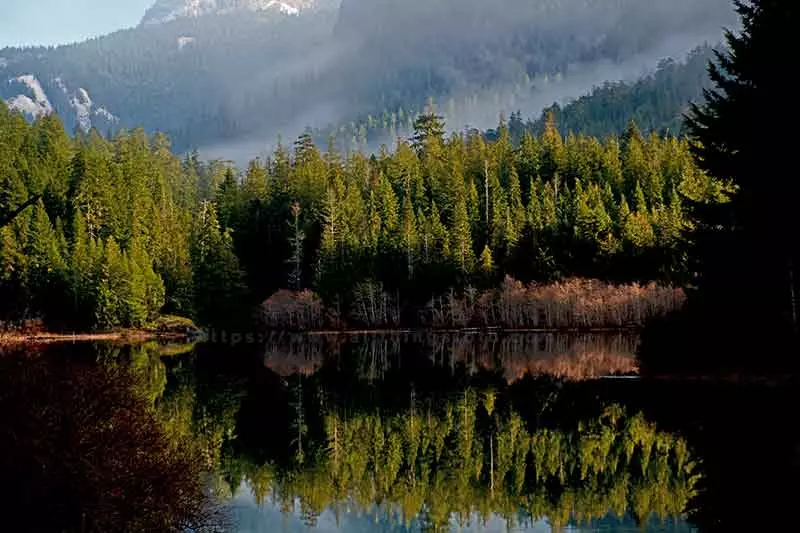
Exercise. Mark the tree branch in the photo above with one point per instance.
(8, 219)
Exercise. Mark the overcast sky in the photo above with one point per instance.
(49, 22)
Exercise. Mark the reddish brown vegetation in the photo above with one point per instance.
(294, 311)
(572, 304)
(564, 356)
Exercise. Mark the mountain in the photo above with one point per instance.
(228, 75)
(167, 10)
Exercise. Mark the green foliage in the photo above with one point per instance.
(122, 230)
(97, 232)
(218, 280)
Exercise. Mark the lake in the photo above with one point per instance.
(403, 433)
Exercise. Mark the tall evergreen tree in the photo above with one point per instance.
(749, 247)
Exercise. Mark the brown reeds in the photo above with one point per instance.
(572, 304)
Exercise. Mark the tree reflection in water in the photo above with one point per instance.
(428, 438)
(419, 434)
(82, 448)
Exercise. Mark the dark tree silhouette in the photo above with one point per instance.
(733, 143)
(87, 454)
(745, 311)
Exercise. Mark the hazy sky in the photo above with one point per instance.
(49, 22)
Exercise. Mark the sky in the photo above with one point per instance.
(51, 22)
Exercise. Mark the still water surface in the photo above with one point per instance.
(401, 433)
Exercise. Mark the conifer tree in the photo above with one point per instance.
(218, 280)
(461, 238)
(408, 231)
(749, 248)
(486, 261)
(515, 203)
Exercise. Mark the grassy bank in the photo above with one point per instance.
(164, 328)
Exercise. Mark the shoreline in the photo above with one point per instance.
(464, 331)
(137, 336)
(127, 336)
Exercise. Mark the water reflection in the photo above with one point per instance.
(564, 356)
(82, 448)
(404, 433)
(411, 436)
(466, 464)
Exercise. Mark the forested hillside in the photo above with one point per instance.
(98, 233)
(250, 76)
(655, 103)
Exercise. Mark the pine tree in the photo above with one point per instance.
(408, 231)
(749, 247)
(461, 238)
(518, 215)
(429, 132)
(533, 211)
(440, 236)
(486, 261)
(218, 279)
(553, 154)
(297, 240)
(227, 200)
(389, 208)
(46, 266)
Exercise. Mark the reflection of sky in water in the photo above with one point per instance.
(268, 518)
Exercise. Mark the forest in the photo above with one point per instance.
(102, 233)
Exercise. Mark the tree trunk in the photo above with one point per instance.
(486, 191)
(491, 463)
(793, 295)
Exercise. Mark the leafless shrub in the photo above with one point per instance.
(288, 310)
(373, 307)
(569, 304)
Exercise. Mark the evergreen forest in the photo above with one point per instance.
(100, 233)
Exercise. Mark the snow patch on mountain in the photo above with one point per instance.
(169, 10)
(103, 113)
(35, 107)
(33, 84)
(82, 105)
(3, 62)
(185, 41)
(283, 7)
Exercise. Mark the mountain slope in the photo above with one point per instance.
(229, 75)
(655, 103)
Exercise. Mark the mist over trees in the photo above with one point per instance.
(655, 103)
(228, 77)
